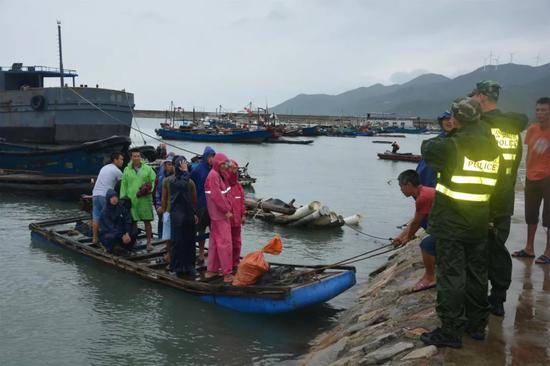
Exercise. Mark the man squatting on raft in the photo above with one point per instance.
(116, 231)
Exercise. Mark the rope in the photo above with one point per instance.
(366, 234)
(133, 128)
(353, 259)
(133, 118)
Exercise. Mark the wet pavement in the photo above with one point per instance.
(522, 337)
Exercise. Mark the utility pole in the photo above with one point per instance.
(512, 57)
(60, 53)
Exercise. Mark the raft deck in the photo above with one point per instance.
(303, 285)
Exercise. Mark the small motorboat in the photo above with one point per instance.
(290, 141)
(283, 288)
(388, 155)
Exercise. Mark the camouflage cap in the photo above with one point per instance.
(466, 110)
(489, 88)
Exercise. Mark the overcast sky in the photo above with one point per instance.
(204, 53)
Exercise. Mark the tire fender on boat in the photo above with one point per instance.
(38, 102)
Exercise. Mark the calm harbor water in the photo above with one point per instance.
(57, 308)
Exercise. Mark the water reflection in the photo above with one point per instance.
(530, 344)
(141, 322)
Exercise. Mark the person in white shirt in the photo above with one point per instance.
(107, 178)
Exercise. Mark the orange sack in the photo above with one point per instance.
(253, 265)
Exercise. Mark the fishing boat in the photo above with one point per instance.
(60, 186)
(230, 136)
(390, 135)
(283, 289)
(59, 129)
(388, 155)
(311, 131)
(82, 159)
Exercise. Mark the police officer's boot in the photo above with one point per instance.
(496, 307)
(477, 334)
(439, 339)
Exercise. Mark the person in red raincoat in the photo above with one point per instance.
(236, 199)
(220, 256)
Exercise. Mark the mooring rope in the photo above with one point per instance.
(132, 127)
(367, 234)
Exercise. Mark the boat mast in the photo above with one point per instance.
(60, 53)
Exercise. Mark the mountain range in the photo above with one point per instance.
(428, 95)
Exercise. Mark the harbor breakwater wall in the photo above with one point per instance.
(386, 321)
(292, 119)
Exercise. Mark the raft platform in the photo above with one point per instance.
(301, 286)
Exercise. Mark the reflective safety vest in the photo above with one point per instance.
(508, 144)
(472, 180)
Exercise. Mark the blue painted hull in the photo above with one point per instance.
(307, 295)
(234, 137)
(84, 159)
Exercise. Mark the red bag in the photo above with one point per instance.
(253, 265)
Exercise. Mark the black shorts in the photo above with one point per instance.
(204, 220)
(535, 192)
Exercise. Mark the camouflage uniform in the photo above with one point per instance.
(467, 163)
(506, 127)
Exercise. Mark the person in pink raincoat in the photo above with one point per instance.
(236, 198)
(220, 256)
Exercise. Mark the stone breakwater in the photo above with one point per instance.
(385, 323)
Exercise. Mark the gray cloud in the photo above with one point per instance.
(206, 53)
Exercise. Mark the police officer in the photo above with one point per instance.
(506, 128)
(467, 164)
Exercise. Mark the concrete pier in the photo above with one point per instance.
(296, 119)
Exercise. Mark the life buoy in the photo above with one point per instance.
(38, 102)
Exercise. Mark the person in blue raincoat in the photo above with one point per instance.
(428, 177)
(198, 175)
(115, 224)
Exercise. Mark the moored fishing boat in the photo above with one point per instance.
(388, 155)
(299, 287)
(60, 186)
(83, 159)
(231, 136)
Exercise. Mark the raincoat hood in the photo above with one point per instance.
(179, 174)
(219, 159)
(110, 194)
(232, 177)
(206, 153)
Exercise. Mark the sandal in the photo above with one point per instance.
(522, 254)
(542, 259)
(421, 286)
(228, 278)
(210, 274)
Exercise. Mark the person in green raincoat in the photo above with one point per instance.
(137, 184)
